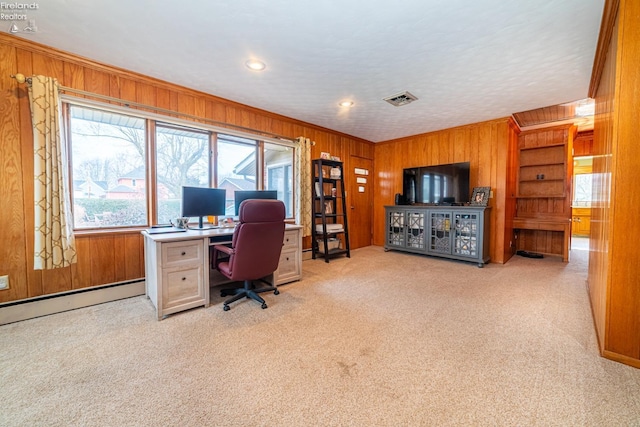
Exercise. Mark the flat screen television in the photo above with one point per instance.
(203, 201)
(446, 184)
(241, 196)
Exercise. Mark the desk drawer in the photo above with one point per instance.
(289, 267)
(182, 286)
(290, 240)
(181, 253)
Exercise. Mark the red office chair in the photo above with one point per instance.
(255, 249)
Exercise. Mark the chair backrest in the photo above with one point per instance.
(257, 239)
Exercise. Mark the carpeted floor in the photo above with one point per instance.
(381, 339)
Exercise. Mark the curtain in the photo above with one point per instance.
(54, 243)
(303, 185)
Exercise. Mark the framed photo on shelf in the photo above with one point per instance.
(318, 189)
(480, 196)
(328, 207)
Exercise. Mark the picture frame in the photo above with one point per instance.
(325, 156)
(480, 196)
(328, 207)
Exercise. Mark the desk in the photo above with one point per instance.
(177, 265)
(562, 225)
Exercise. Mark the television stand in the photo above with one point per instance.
(455, 232)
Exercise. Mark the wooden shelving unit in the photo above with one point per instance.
(329, 210)
(543, 193)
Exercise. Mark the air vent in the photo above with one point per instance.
(401, 99)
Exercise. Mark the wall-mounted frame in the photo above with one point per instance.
(480, 196)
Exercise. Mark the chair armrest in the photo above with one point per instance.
(220, 248)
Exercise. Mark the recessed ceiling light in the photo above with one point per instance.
(255, 65)
(346, 104)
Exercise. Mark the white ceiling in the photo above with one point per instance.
(466, 60)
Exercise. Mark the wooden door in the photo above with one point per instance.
(360, 201)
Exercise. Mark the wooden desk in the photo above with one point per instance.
(177, 265)
(562, 225)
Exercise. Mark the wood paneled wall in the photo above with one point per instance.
(614, 283)
(103, 257)
(488, 146)
(583, 144)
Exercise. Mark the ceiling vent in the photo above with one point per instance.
(400, 99)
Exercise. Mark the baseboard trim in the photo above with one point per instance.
(17, 311)
(616, 357)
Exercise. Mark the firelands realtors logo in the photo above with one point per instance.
(18, 16)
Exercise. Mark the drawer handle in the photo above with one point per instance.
(184, 278)
(287, 240)
(184, 253)
(287, 258)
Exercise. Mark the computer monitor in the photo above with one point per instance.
(203, 201)
(241, 196)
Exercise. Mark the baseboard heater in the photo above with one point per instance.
(45, 305)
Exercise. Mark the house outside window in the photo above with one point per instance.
(278, 162)
(105, 148)
(236, 161)
(110, 170)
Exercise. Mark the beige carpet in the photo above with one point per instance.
(381, 339)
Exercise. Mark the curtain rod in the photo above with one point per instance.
(21, 78)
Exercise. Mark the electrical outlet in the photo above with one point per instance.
(4, 282)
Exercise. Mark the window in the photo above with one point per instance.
(582, 181)
(107, 152)
(236, 161)
(182, 159)
(583, 184)
(109, 166)
(278, 166)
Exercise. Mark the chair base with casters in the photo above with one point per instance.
(247, 291)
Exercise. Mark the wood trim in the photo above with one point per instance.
(183, 92)
(616, 357)
(606, 32)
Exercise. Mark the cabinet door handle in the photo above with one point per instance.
(184, 253)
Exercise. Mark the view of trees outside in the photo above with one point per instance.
(182, 159)
(582, 188)
(108, 152)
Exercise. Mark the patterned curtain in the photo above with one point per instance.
(54, 243)
(303, 185)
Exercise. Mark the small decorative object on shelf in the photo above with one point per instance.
(324, 155)
(480, 196)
